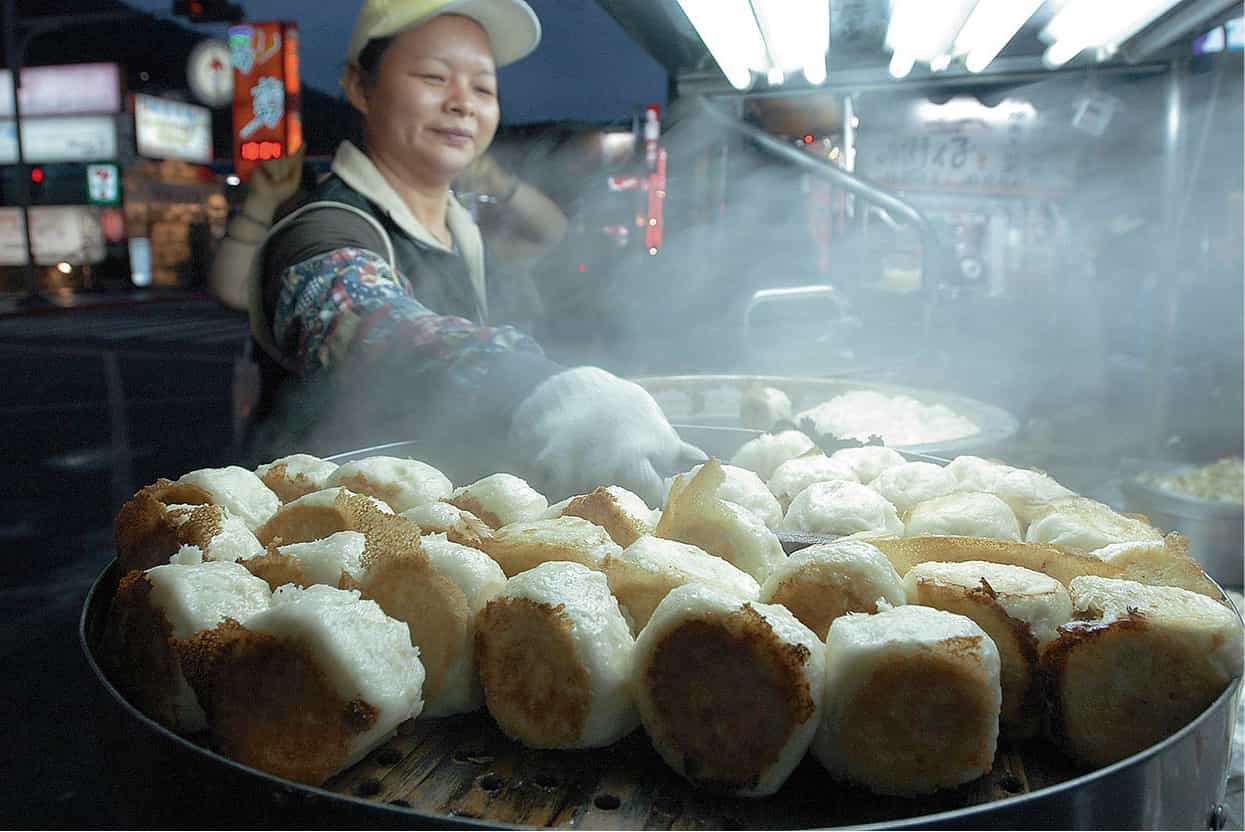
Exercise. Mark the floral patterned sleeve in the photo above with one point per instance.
(349, 301)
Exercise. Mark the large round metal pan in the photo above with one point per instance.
(715, 401)
(462, 773)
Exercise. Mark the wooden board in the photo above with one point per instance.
(464, 767)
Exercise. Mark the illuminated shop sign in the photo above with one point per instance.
(60, 139)
(59, 233)
(74, 89)
(266, 114)
(166, 129)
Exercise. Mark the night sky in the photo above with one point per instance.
(586, 67)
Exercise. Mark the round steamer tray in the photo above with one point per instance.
(462, 772)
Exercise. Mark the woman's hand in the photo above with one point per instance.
(586, 427)
(273, 182)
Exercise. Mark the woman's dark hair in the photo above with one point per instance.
(370, 59)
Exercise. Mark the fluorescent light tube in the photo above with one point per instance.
(901, 64)
(925, 29)
(815, 71)
(988, 29)
(729, 31)
(1098, 23)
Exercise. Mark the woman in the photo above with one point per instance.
(372, 303)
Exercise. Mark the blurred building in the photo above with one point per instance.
(173, 195)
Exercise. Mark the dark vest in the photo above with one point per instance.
(440, 280)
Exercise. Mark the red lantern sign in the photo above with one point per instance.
(267, 121)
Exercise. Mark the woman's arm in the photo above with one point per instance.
(528, 221)
(349, 307)
(275, 181)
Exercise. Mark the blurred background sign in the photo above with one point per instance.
(60, 139)
(165, 129)
(964, 145)
(103, 183)
(64, 90)
(267, 120)
(59, 233)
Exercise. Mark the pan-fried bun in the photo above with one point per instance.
(457, 524)
(401, 483)
(500, 499)
(912, 701)
(1085, 524)
(869, 461)
(480, 579)
(319, 515)
(1025, 491)
(1028, 492)
(822, 582)
(1018, 608)
(729, 690)
(762, 407)
(1165, 563)
(841, 507)
(624, 515)
(695, 514)
(439, 593)
(744, 488)
(649, 568)
(913, 482)
(555, 655)
(308, 686)
(153, 525)
(146, 530)
(216, 533)
(1136, 664)
(977, 474)
(967, 514)
(153, 613)
(769, 450)
(795, 475)
(520, 546)
(336, 560)
(238, 490)
(296, 475)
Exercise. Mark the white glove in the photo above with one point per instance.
(586, 427)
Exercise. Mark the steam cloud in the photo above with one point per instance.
(1109, 320)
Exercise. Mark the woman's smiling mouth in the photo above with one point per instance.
(454, 136)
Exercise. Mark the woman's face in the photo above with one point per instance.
(433, 106)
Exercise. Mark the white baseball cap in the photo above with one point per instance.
(512, 27)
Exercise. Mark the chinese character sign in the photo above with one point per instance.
(266, 120)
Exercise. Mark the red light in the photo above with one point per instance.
(808, 139)
(583, 267)
(36, 175)
(257, 151)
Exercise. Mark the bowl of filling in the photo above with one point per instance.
(721, 412)
(1204, 502)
